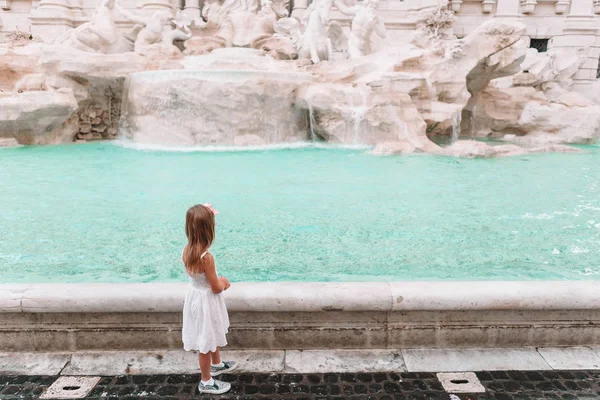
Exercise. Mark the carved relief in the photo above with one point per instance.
(528, 6)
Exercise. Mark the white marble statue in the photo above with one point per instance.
(265, 35)
(364, 24)
(232, 6)
(151, 31)
(157, 33)
(238, 23)
(320, 34)
(99, 35)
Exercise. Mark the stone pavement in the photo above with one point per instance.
(504, 385)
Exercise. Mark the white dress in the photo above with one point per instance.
(205, 319)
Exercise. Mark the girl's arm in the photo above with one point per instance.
(216, 284)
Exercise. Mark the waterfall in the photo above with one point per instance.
(430, 87)
(456, 120)
(358, 116)
(171, 108)
(473, 128)
(312, 123)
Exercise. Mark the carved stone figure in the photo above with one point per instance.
(151, 31)
(156, 34)
(434, 26)
(364, 23)
(233, 6)
(237, 23)
(265, 37)
(320, 34)
(100, 35)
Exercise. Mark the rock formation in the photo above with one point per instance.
(411, 91)
(224, 106)
(249, 74)
(535, 105)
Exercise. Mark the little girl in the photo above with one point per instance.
(205, 319)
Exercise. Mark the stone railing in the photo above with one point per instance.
(45, 317)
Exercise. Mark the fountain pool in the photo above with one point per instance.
(112, 213)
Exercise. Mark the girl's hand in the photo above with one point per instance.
(224, 282)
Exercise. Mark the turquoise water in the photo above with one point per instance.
(105, 213)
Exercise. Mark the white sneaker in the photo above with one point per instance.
(218, 387)
(227, 366)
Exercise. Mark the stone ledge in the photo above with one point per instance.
(107, 363)
(306, 297)
(276, 316)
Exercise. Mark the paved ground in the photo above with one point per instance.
(509, 385)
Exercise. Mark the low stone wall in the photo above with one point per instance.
(44, 317)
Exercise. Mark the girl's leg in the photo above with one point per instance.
(216, 357)
(218, 366)
(204, 360)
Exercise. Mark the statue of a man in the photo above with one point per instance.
(364, 23)
(98, 35)
(152, 28)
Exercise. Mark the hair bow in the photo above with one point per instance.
(210, 207)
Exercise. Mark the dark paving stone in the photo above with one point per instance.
(534, 376)
(500, 385)
(122, 380)
(375, 388)
(319, 389)
(267, 389)
(292, 378)
(335, 390)
(251, 389)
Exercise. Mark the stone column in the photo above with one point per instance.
(155, 5)
(51, 18)
(192, 9)
(581, 28)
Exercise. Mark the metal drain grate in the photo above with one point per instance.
(71, 387)
(460, 382)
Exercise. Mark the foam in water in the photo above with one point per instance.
(224, 149)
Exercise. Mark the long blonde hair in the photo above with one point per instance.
(200, 231)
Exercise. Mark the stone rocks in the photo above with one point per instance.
(393, 148)
(403, 94)
(38, 117)
(213, 107)
(475, 149)
(31, 82)
(535, 104)
(357, 115)
(16, 63)
(95, 71)
(16, 39)
(95, 123)
(575, 125)
(394, 100)
(8, 142)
